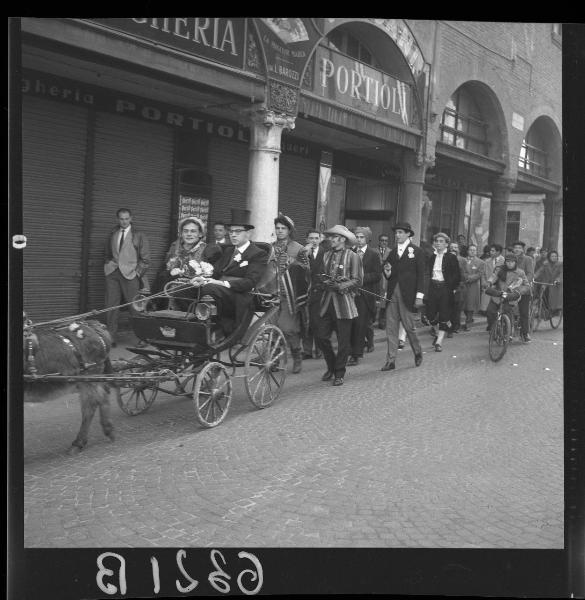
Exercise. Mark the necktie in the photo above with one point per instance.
(121, 240)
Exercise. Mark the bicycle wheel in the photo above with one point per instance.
(556, 317)
(499, 338)
(535, 316)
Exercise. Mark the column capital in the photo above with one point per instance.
(266, 127)
(503, 186)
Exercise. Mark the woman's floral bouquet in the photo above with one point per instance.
(193, 269)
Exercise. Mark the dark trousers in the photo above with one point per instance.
(327, 324)
(492, 311)
(456, 308)
(232, 307)
(524, 309)
(359, 327)
(118, 290)
(439, 307)
(310, 329)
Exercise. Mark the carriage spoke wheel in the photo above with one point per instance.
(499, 338)
(555, 318)
(265, 366)
(137, 397)
(212, 394)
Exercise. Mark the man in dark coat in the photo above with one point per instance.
(404, 270)
(444, 276)
(315, 252)
(365, 303)
(235, 274)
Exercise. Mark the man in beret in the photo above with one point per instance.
(361, 329)
(404, 270)
(293, 286)
(342, 274)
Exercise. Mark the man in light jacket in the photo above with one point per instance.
(127, 257)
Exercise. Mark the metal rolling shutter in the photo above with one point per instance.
(53, 172)
(228, 167)
(133, 168)
(297, 195)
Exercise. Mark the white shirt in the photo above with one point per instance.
(124, 232)
(438, 266)
(222, 241)
(361, 251)
(400, 248)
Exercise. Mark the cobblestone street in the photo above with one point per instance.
(460, 452)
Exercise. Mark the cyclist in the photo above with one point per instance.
(510, 280)
(552, 272)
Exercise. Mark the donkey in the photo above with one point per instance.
(81, 348)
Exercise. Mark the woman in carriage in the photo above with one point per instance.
(188, 250)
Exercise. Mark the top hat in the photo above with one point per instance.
(344, 231)
(405, 226)
(284, 220)
(240, 218)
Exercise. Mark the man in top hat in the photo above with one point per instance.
(127, 257)
(404, 270)
(236, 273)
(342, 274)
(361, 329)
(293, 285)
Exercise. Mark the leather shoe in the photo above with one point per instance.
(327, 376)
(338, 381)
(401, 345)
(449, 334)
(438, 348)
(526, 337)
(370, 347)
(352, 361)
(389, 366)
(418, 359)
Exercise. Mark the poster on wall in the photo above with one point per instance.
(194, 206)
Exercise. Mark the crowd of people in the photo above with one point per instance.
(339, 282)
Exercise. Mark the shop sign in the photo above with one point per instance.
(220, 39)
(47, 86)
(355, 84)
(287, 46)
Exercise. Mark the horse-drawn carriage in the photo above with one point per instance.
(187, 354)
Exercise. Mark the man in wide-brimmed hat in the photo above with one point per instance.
(342, 274)
(404, 270)
(293, 285)
(236, 273)
(365, 302)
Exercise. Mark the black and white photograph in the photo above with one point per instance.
(289, 288)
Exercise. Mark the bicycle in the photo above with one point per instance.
(503, 330)
(540, 309)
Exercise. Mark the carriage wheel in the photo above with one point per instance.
(212, 394)
(265, 366)
(555, 318)
(136, 398)
(499, 338)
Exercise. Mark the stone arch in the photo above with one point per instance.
(491, 109)
(393, 44)
(547, 123)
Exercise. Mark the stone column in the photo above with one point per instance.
(266, 129)
(553, 211)
(498, 210)
(410, 204)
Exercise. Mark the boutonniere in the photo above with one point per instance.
(410, 252)
(243, 263)
(238, 258)
(340, 267)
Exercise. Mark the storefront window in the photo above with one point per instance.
(438, 213)
(476, 220)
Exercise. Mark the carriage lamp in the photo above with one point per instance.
(204, 310)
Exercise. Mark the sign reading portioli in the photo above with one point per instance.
(353, 83)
